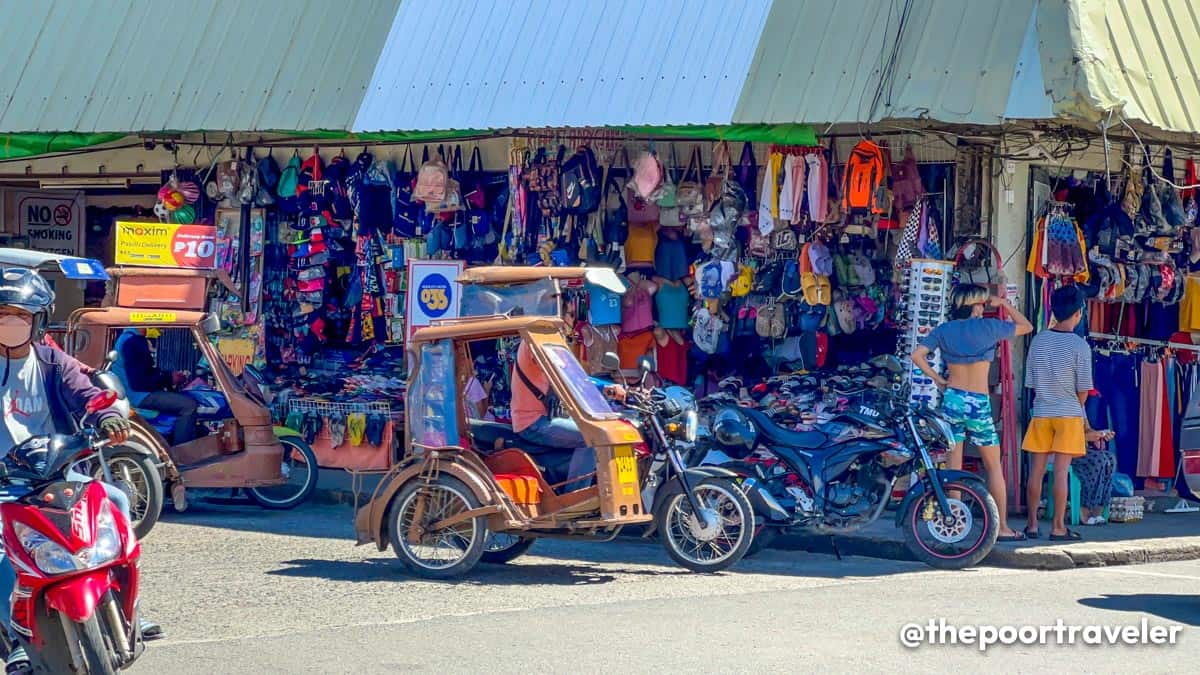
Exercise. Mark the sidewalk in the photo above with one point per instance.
(1159, 537)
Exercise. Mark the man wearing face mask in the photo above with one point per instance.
(42, 391)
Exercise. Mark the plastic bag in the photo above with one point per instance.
(1122, 485)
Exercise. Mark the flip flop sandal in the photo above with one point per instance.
(1035, 534)
(1019, 536)
(1071, 535)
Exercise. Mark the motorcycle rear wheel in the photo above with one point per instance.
(298, 458)
(501, 548)
(962, 544)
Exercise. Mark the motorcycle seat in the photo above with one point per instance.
(804, 440)
(491, 436)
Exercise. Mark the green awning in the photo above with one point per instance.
(783, 134)
(16, 146)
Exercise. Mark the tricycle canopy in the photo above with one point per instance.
(526, 291)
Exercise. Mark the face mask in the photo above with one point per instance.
(15, 331)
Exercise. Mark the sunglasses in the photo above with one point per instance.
(934, 270)
(929, 315)
(933, 280)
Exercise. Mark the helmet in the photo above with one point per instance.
(673, 403)
(733, 430)
(27, 290)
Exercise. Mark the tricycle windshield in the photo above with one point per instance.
(534, 298)
(432, 407)
(591, 401)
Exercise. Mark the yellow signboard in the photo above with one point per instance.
(152, 317)
(165, 245)
(237, 352)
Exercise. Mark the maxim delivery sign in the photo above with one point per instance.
(166, 245)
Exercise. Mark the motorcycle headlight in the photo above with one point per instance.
(47, 555)
(691, 426)
(53, 559)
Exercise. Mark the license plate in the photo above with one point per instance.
(626, 464)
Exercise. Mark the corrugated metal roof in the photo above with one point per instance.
(131, 65)
(819, 61)
(458, 64)
(1139, 58)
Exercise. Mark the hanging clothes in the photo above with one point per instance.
(1166, 457)
(799, 168)
(1152, 396)
(1116, 379)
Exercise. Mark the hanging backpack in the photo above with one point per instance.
(616, 214)
(721, 168)
(406, 210)
(472, 182)
(647, 177)
(747, 171)
(667, 194)
(580, 178)
(432, 179)
(790, 280)
(771, 321)
(639, 208)
(814, 286)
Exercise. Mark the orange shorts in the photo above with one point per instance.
(1060, 435)
(633, 347)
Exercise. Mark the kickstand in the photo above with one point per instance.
(833, 543)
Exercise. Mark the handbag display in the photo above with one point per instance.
(689, 195)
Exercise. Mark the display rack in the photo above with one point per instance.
(365, 456)
(926, 291)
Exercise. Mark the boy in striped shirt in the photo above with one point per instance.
(1059, 370)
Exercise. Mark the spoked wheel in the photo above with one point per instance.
(450, 551)
(299, 468)
(957, 542)
(719, 537)
(502, 547)
(136, 474)
(95, 649)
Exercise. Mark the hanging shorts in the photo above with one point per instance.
(1061, 435)
(970, 416)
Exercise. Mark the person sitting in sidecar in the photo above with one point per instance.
(534, 420)
(146, 385)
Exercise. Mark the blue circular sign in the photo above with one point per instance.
(433, 295)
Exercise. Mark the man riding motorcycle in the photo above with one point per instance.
(42, 391)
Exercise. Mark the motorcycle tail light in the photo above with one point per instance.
(640, 448)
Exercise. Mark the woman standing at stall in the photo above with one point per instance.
(968, 346)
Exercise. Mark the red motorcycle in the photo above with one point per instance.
(75, 603)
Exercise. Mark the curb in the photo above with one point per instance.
(1132, 552)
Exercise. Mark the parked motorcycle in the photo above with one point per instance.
(75, 604)
(838, 477)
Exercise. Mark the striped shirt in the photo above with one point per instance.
(1058, 368)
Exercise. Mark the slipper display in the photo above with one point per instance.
(337, 430)
(376, 424)
(356, 428)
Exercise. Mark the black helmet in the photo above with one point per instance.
(733, 430)
(27, 290)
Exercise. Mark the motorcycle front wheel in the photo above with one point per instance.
(100, 660)
(955, 543)
(714, 542)
(136, 474)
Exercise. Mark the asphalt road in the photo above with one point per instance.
(241, 590)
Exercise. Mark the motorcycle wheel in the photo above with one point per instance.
(300, 467)
(502, 547)
(442, 554)
(94, 647)
(698, 548)
(136, 474)
(963, 543)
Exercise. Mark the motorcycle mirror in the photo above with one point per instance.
(210, 324)
(107, 380)
(109, 359)
(610, 361)
(645, 366)
(101, 401)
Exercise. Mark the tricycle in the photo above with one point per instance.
(468, 490)
(239, 447)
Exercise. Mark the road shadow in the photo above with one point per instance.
(1183, 609)
(323, 521)
(389, 569)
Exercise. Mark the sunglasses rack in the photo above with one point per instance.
(925, 295)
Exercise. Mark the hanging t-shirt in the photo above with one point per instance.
(714, 277)
(785, 192)
(604, 306)
(799, 168)
(637, 312)
(670, 258)
(672, 301)
(26, 410)
(706, 330)
(671, 360)
(640, 245)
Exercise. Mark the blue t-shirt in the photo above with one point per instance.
(969, 340)
(604, 306)
(672, 303)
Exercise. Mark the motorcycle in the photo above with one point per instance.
(839, 477)
(74, 608)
